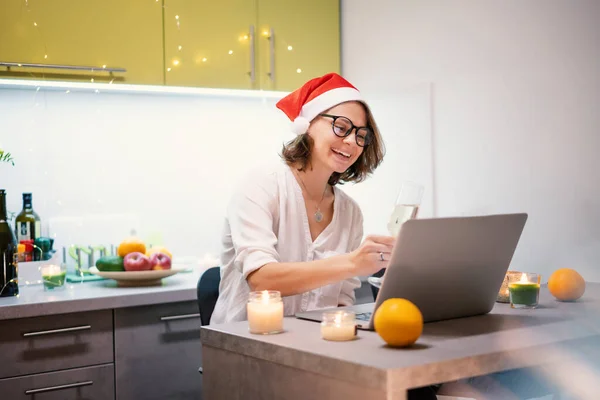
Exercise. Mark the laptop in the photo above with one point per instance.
(448, 267)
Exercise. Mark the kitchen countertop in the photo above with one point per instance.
(33, 301)
(449, 350)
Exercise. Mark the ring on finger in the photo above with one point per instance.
(381, 256)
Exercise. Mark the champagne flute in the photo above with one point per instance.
(406, 206)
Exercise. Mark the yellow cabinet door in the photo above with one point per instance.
(111, 33)
(298, 40)
(210, 43)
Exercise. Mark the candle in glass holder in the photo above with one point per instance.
(265, 312)
(525, 292)
(53, 276)
(338, 326)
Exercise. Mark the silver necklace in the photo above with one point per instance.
(318, 214)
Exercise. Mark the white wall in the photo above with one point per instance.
(100, 165)
(515, 109)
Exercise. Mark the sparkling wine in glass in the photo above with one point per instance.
(406, 206)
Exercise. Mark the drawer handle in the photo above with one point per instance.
(252, 72)
(66, 67)
(184, 316)
(271, 40)
(59, 387)
(63, 330)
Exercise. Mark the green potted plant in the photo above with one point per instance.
(6, 157)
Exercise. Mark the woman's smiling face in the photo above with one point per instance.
(329, 151)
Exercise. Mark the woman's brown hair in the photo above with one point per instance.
(297, 152)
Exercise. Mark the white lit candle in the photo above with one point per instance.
(50, 270)
(338, 326)
(265, 312)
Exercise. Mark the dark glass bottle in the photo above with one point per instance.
(9, 283)
(27, 223)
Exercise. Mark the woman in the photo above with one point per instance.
(289, 227)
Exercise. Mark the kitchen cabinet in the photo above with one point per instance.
(158, 352)
(91, 383)
(61, 356)
(236, 44)
(298, 40)
(112, 33)
(146, 352)
(208, 43)
(49, 343)
(250, 44)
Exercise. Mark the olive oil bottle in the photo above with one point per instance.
(9, 283)
(27, 224)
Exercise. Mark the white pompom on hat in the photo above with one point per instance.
(314, 97)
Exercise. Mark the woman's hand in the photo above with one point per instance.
(373, 254)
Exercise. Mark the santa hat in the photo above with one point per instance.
(314, 97)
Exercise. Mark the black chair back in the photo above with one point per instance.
(374, 290)
(208, 293)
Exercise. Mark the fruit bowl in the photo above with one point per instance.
(138, 278)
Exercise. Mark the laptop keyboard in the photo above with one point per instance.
(366, 316)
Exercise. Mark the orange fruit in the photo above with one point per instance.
(158, 249)
(131, 245)
(566, 284)
(398, 322)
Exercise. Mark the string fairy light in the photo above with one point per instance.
(39, 31)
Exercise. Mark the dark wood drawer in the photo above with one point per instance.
(91, 383)
(55, 342)
(158, 352)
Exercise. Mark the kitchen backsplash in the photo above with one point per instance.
(101, 165)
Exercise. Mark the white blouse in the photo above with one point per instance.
(267, 223)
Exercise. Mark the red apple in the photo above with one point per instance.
(160, 261)
(137, 262)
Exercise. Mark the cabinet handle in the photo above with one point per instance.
(63, 330)
(184, 316)
(252, 72)
(271, 39)
(59, 387)
(57, 66)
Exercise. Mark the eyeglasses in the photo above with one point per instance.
(343, 127)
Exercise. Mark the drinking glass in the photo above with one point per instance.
(406, 206)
